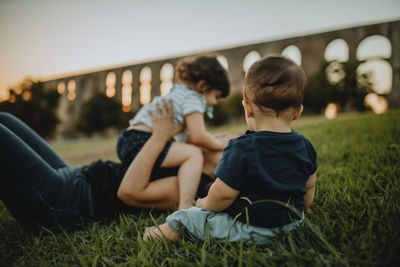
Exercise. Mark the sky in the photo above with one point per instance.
(42, 39)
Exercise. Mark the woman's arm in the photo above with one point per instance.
(199, 136)
(220, 196)
(309, 196)
(135, 188)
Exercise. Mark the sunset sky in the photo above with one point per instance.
(43, 38)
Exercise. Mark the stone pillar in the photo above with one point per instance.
(101, 81)
(155, 79)
(118, 84)
(135, 89)
(394, 37)
(235, 69)
(312, 53)
(270, 49)
(62, 111)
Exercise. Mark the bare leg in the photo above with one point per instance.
(155, 233)
(190, 161)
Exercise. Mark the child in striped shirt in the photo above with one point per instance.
(202, 81)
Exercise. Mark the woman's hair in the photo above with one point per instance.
(191, 70)
(275, 82)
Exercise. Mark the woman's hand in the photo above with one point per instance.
(163, 122)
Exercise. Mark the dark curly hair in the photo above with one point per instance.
(275, 82)
(191, 70)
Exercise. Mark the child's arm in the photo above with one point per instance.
(198, 134)
(309, 196)
(220, 196)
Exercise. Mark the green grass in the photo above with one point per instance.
(354, 222)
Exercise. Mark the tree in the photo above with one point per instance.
(347, 91)
(34, 105)
(100, 113)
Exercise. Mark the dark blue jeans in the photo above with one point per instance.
(36, 185)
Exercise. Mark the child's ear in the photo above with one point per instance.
(247, 108)
(298, 112)
(201, 86)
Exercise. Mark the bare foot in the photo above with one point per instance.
(154, 233)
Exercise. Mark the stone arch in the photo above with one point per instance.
(126, 90)
(337, 50)
(71, 87)
(167, 78)
(293, 52)
(145, 85)
(111, 81)
(374, 46)
(249, 59)
(380, 73)
(374, 52)
(61, 87)
(223, 61)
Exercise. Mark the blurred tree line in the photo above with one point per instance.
(37, 106)
(34, 105)
(345, 88)
(100, 113)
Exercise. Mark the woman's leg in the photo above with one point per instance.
(29, 186)
(32, 139)
(189, 158)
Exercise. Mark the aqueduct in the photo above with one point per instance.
(134, 85)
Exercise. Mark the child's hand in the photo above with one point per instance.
(200, 203)
(224, 140)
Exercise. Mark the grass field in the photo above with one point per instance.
(355, 219)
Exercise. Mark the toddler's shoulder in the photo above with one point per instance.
(308, 145)
(241, 142)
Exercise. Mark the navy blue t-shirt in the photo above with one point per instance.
(268, 168)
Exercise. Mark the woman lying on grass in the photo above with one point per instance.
(37, 186)
(265, 177)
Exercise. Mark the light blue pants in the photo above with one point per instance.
(199, 223)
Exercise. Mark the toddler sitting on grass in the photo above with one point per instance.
(266, 178)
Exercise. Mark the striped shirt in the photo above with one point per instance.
(184, 100)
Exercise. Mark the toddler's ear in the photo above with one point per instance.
(201, 86)
(298, 112)
(247, 108)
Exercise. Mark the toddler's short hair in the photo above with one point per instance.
(275, 82)
(191, 70)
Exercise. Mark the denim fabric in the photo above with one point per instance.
(36, 185)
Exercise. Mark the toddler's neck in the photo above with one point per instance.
(271, 123)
